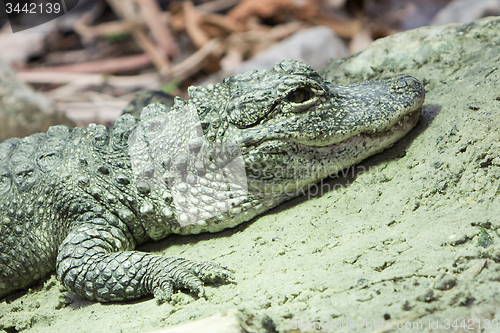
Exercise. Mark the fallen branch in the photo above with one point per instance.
(157, 25)
(216, 5)
(125, 9)
(194, 62)
(223, 22)
(192, 22)
(80, 79)
(79, 74)
(115, 65)
(107, 29)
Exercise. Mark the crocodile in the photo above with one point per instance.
(79, 201)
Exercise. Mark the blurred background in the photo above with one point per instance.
(86, 65)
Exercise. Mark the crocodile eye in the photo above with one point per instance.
(299, 95)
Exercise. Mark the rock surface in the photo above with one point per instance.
(23, 111)
(408, 237)
(463, 11)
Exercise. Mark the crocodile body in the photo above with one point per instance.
(71, 199)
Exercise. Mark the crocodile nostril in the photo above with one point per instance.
(406, 83)
(401, 83)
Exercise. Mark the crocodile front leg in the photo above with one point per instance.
(93, 262)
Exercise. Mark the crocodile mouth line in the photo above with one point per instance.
(407, 120)
(403, 125)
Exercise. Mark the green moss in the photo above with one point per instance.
(169, 87)
(115, 38)
(485, 239)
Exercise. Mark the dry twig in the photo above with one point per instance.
(79, 79)
(217, 5)
(192, 22)
(115, 65)
(125, 9)
(106, 29)
(194, 62)
(157, 25)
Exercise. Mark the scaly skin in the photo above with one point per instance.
(73, 200)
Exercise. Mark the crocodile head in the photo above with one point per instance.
(294, 128)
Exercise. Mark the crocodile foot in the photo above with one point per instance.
(179, 273)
